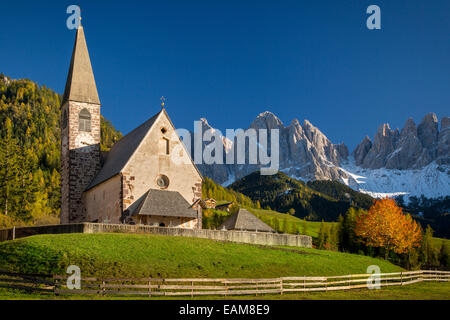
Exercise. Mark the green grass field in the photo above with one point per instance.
(418, 291)
(312, 227)
(133, 255)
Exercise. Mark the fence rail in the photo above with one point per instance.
(57, 284)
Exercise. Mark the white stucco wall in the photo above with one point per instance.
(103, 202)
(150, 160)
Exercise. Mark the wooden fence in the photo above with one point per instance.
(213, 287)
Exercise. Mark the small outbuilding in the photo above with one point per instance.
(244, 220)
(162, 208)
(224, 206)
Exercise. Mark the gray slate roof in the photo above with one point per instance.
(164, 203)
(245, 220)
(122, 151)
(80, 84)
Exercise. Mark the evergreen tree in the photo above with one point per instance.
(18, 188)
(427, 248)
(348, 239)
(322, 236)
(30, 152)
(304, 227)
(276, 225)
(285, 224)
(444, 256)
(332, 238)
(9, 166)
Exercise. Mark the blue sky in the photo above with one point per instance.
(230, 60)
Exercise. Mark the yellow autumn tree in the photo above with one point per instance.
(385, 225)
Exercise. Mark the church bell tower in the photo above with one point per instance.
(80, 132)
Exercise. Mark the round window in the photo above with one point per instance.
(162, 181)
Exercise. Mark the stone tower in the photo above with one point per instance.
(80, 132)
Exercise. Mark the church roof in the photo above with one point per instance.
(164, 203)
(122, 151)
(246, 221)
(80, 85)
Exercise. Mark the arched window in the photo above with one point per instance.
(164, 146)
(84, 121)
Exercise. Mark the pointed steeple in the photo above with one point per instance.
(80, 85)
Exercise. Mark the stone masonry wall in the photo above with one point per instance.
(260, 238)
(80, 160)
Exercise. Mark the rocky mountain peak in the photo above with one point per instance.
(443, 145)
(267, 120)
(409, 128)
(413, 148)
(313, 133)
(361, 150)
(384, 130)
(427, 130)
(306, 153)
(445, 123)
(205, 124)
(383, 144)
(295, 123)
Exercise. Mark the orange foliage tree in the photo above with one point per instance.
(385, 225)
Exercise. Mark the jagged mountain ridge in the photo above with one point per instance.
(413, 161)
(413, 148)
(304, 150)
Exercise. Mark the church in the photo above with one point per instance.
(138, 181)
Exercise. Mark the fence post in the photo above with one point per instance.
(226, 288)
(14, 233)
(149, 287)
(281, 286)
(401, 278)
(192, 289)
(55, 289)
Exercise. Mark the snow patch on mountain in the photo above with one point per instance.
(432, 180)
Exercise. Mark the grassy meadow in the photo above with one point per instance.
(268, 216)
(417, 291)
(135, 255)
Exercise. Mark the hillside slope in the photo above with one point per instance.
(127, 255)
(30, 129)
(341, 192)
(281, 193)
